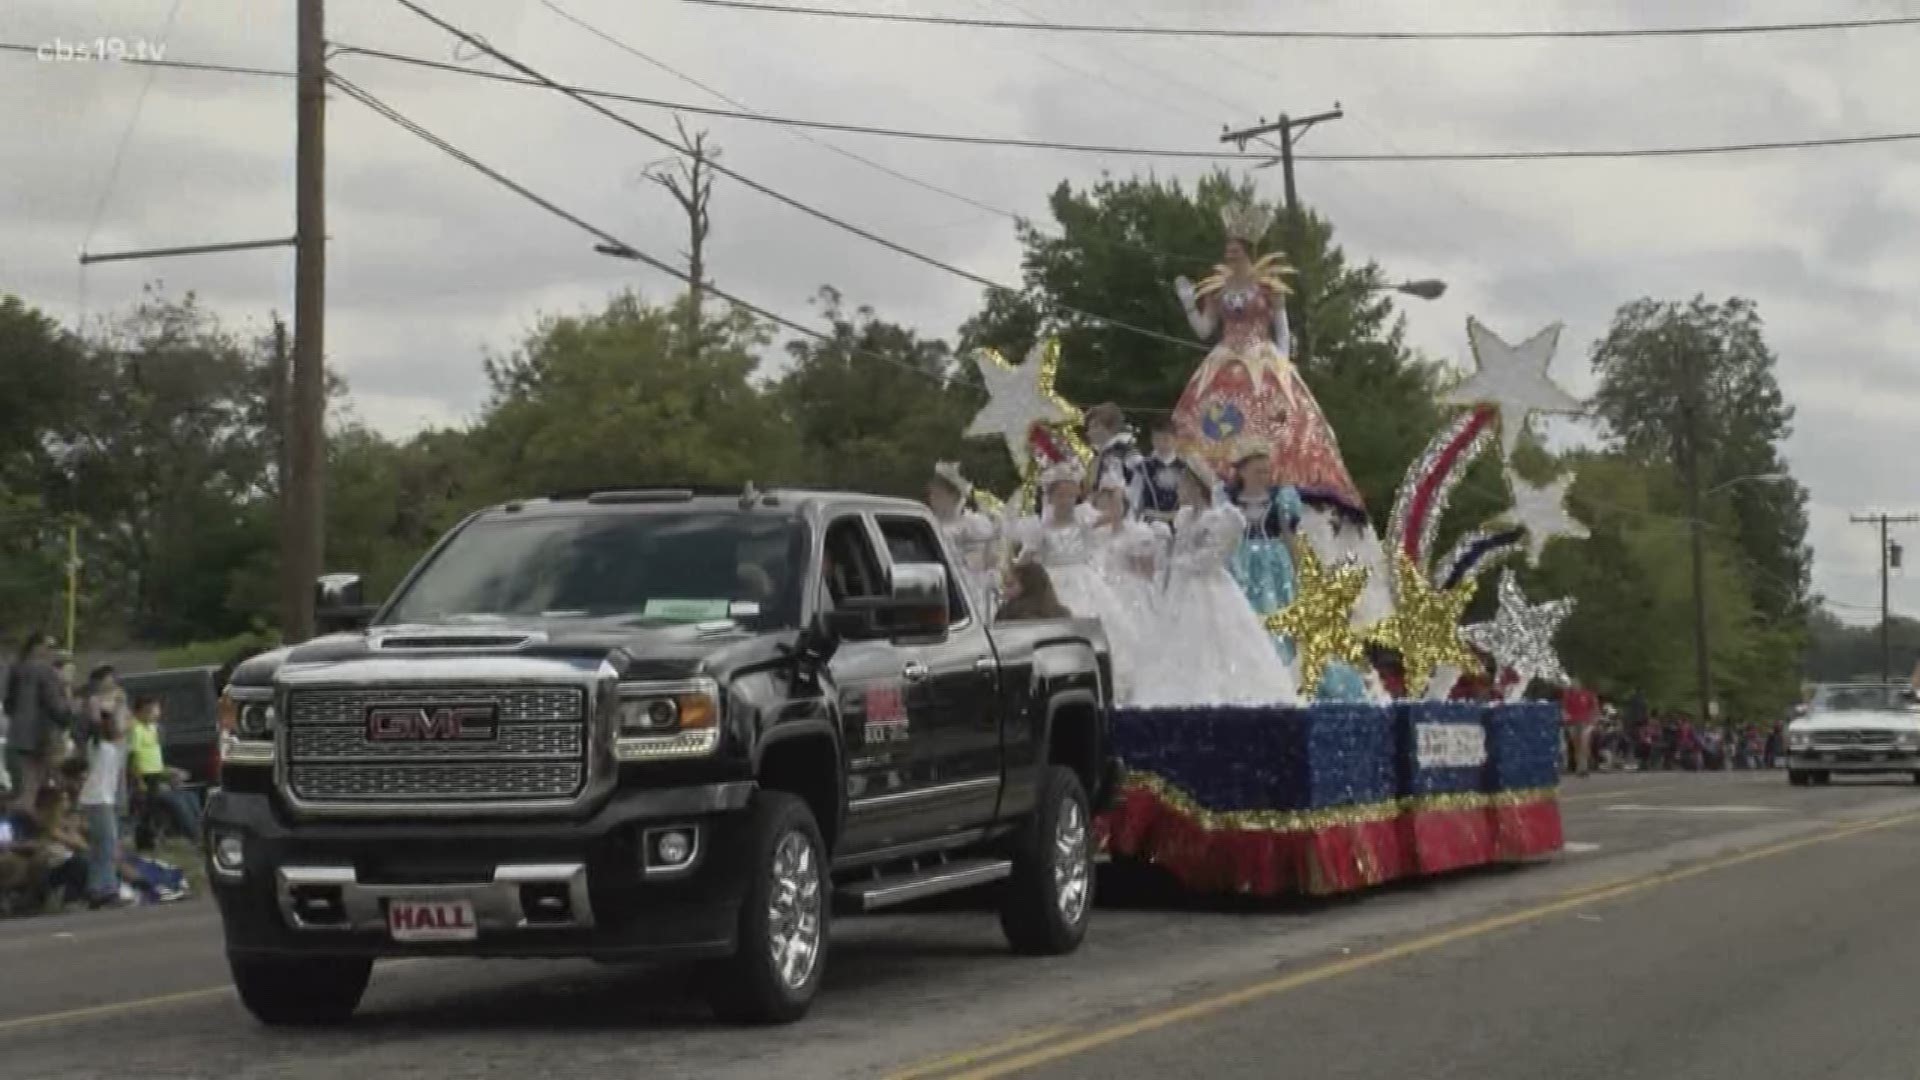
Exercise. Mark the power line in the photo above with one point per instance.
(40, 52)
(126, 134)
(788, 200)
(634, 51)
(881, 167)
(1114, 150)
(622, 247)
(1011, 142)
(1319, 35)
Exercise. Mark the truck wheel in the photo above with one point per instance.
(1797, 777)
(781, 953)
(300, 991)
(1046, 904)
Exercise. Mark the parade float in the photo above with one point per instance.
(1372, 773)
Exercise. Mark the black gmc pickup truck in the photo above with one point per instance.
(653, 724)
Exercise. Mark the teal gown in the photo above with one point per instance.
(1263, 564)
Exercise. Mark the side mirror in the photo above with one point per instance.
(340, 604)
(916, 601)
(915, 606)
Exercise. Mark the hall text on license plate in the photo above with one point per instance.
(431, 920)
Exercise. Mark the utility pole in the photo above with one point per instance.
(690, 182)
(279, 428)
(303, 489)
(1688, 437)
(1289, 129)
(1888, 559)
(73, 581)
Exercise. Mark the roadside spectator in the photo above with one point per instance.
(1581, 707)
(100, 805)
(53, 852)
(39, 713)
(159, 786)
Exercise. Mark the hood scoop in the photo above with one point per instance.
(454, 640)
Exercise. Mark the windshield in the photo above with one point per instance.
(1859, 699)
(644, 567)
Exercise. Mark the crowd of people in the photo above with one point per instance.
(86, 772)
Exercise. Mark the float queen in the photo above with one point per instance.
(1248, 395)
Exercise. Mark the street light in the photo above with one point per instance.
(1424, 288)
(1757, 478)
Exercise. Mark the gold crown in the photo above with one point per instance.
(1246, 222)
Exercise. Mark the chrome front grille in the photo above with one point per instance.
(412, 783)
(1853, 738)
(538, 749)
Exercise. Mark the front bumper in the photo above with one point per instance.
(1878, 760)
(535, 888)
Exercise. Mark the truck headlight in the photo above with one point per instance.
(1799, 740)
(247, 722)
(1908, 740)
(662, 720)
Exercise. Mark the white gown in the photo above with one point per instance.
(1073, 554)
(1213, 648)
(975, 540)
(1133, 557)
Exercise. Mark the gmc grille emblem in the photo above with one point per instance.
(432, 723)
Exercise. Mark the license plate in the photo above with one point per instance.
(431, 920)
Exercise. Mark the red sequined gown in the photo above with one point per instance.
(1247, 387)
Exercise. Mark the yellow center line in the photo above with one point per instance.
(1272, 987)
(968, 1057)
(113, 1008)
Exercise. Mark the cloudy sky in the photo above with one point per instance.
(430, 264)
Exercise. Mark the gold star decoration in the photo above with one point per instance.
(1425, 625)
(1320, 619)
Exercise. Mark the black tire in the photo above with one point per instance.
(1823, 777)
(1046, 904)
(1798, 777)
(300, 991)
(750, 987)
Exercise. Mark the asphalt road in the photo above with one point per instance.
(1698, 926)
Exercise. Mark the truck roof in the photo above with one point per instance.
(700, 497)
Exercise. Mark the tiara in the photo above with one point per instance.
(1246, 222)
(949, 471)
(1060, 471)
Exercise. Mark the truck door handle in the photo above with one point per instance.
(914, 671)
(984, 666)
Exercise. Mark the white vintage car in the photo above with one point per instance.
(1855, 730)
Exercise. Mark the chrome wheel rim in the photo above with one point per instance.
(1072, 871)
(793, 910)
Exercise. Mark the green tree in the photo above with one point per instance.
(1632, 626)
(165, 459)
(617, 398)
(1658, 360)
(1122, 243)
(40, 389)
(878, 405)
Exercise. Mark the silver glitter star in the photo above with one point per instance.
(1542, 511)
(1520, 636)
(1513, 379)
(1020, 396)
